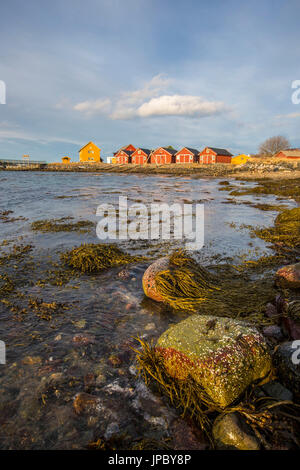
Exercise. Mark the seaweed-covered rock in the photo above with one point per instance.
(230, 432)
(222, 355)
(179, 281)
(149, 284)
(289, 276)
(286, 360)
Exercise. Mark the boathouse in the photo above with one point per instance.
(290, 154)
(187, 155)
(140, 156)
(212, 155)
(163, 156)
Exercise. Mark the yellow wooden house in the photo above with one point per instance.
(66, 160)
(240, 159)
(90, 153)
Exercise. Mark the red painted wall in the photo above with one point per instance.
(139, 158)
(223, 159)
(161, 157)
(282, 155)
(122, 158)
(183, 156)
(208, 156)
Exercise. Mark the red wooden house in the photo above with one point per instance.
(291, 154)
(187, 155)
(140, 156)
(212, 155)
(123, 157)
(163, 155)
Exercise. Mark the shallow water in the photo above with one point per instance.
(108, 310)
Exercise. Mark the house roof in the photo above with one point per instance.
(128, 152)
(290, 152)
(194, 151)
(87, 145)
(220, 151)
(171, 151)
(146, 151)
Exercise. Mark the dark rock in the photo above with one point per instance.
(111, 430)
(276, 390)
(186, 436)
(286, 359)
(273, 331)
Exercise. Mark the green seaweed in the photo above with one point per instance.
(286, 231)
(230, 292)
(91, 257)
(61, 225)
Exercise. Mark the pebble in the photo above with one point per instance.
(111, 430)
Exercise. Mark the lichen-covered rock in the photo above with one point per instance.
(230, 432)
(289, 276)
(223, 355)
(286, 360)
(149, 285)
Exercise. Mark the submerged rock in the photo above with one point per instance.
(149, 284)
(276, 390)
(230, 432)
(223, 355)
(186, 436)
(86, 403)
(273, 331)
(289, 276)
(287, 362)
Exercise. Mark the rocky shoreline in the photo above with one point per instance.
(258, 168)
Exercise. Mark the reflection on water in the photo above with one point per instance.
(77, 337)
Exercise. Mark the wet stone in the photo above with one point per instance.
(223, 355)
(273, 331)
(186, 436)
(149, 285)
(230, 432)
(276, 390)
(289, 276)
(286, 360)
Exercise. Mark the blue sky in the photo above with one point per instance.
(147, 72)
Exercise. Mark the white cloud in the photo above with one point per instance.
(126, 106)
(180, 105)
(288, 116)
(93, 107)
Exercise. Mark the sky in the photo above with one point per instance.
(147, 72)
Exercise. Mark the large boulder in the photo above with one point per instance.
(289, 276)
(223, 355)
(149, 284)
(230, 432)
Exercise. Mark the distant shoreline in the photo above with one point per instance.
(257, 169)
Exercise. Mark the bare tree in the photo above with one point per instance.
(273, 145)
